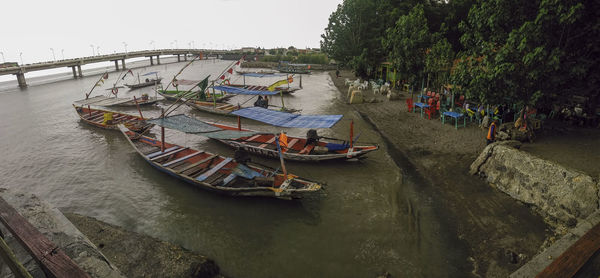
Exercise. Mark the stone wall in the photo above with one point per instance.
(561, 193)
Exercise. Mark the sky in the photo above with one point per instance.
(35, 30)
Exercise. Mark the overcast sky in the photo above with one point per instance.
(33, 27)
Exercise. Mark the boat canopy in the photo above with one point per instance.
(186, 82)
(260, 75)
(187, 124)
(284, 119)
(242, 91)
(150, 73)
(102, 101)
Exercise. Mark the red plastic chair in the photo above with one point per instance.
(409, 104)
(428, 93)
(437, 96)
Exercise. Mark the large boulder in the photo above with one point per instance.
(560, 192)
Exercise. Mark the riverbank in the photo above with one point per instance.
(138, 255)
(500, 232)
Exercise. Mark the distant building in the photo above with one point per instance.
(248, 49)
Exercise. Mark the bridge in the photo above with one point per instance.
(76, 63)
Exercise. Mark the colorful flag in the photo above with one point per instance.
(105, 76)
(222, 77)
(278, 83)
(283, 140)
(203, 84)
(230, 71)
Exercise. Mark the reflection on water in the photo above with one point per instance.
(366, 222)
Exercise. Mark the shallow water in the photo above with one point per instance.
(369, 219)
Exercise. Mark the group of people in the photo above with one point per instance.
(262, 102)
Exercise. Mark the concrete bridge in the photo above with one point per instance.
(76, 63)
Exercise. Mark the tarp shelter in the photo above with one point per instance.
(283, 119)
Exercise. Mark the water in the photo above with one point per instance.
(369, 220)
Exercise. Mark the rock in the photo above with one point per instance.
(559, 192)
(356, 97)
(392, 95)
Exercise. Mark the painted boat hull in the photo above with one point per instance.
(144, 84)
(294, 187)
(132, 122)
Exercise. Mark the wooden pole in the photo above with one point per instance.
(239, 123)
(138, 107)
(351, 132)
(162, 131)
(280, 157)
(11, 260)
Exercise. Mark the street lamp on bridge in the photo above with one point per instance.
(153, 45)
(125, 44)
(63, 53)
(176, 47)
(3, 61)
(53, 57)
(21, 55)
(98, 50)
(93, 53)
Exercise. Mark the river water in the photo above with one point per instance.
(369, 220)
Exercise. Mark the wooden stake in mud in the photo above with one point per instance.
(162, 131)
(138, 107)
(239, 123)
(351, 132)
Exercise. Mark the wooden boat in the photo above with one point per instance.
(114, 101)
(148, 82)
(282, 89)
(217, 173)
(297, 148)
(210, 107)
(293, 68)
(175, 95)
(96, 117)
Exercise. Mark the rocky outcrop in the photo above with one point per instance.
(564, 194)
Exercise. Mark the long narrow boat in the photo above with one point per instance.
(297, 148)
(100, 118)
(211, 107)
(175, 95)
(263, 143)
(114, 101)
(217, 173)
(147, 83)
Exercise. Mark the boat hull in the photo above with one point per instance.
(181, 163)
(95, 118)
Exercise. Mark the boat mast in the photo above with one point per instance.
(95, 84)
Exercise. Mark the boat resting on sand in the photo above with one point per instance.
(175, 95)
(110, 119)
(212, 107)
(217, 173)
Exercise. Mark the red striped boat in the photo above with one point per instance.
(217, 173)
(95, 117)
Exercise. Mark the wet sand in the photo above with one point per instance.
(493, 225)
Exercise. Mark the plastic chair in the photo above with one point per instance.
(409, 104)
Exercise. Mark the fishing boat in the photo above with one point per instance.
(285, 67)
(111, 99)
(148, 82)
(110, 119)
(311, 148)
(282, 86)
(218, 173)
(227, 108)
(197, 95)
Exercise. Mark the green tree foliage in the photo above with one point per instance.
(408, 42)
(438, 62)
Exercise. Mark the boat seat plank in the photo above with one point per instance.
(268, 142)
(307, 149)
(290, 145)
(229, 179)
(168, 154)
(214, 170)
(170, 163)
(215, 179)
(253, 137)
(160, 152)
(196, 164)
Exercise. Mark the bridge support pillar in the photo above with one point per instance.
(117, 64)
(185, 57)
(151, 60)
(74, 72)
(123, 64)
(79, 70)
(21, 80)
(158, 59)
(178, 58)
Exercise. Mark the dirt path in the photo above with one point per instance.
(495, 227)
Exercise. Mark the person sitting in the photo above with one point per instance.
(259, 102)
(265, 103)
(311, 137)
(491, 136)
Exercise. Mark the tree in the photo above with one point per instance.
(408, 42)
(438, 62)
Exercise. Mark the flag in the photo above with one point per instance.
(222, 77)
(278, 83)
(230, 71)
(105, 76)
(237, 63)
(290, 79)
(203, 84)
(283, 140)
(99, 83)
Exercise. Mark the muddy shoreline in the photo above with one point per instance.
(501, 233)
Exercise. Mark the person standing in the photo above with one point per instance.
(491, 136)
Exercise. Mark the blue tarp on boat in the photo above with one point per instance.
(283, 119)
(184, 123)
(150, 73)
(242, 91)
